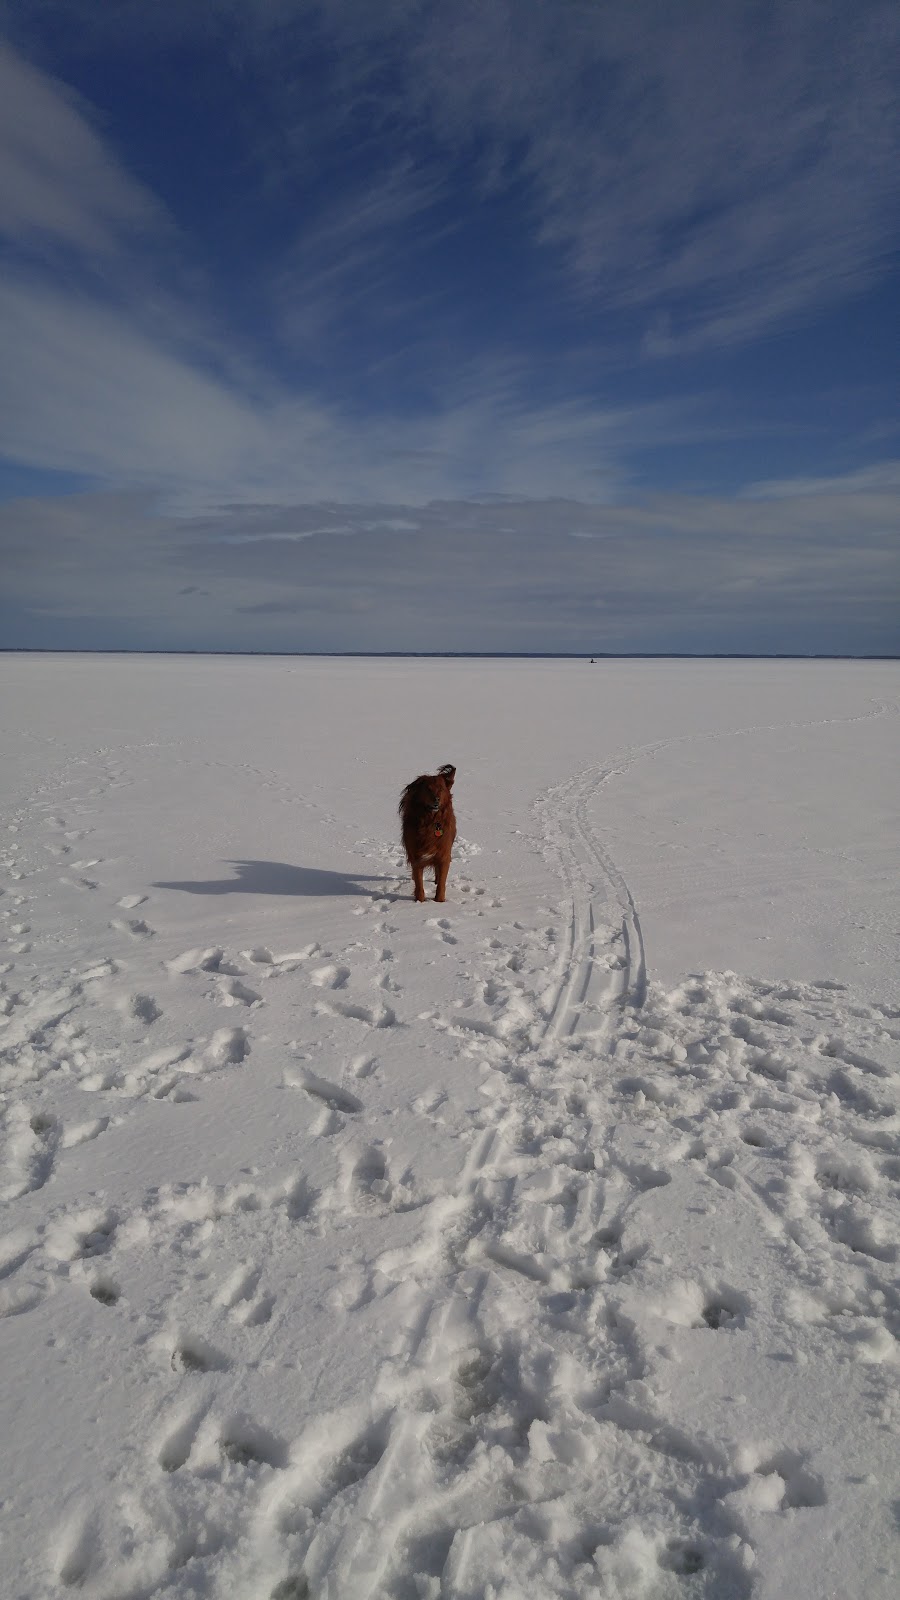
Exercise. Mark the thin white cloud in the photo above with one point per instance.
(59, 181)
(341, 269)
(252, 537)
(882, 477)
(88, 391)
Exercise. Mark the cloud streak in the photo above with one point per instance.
(88, 391)
(59, 182)
(724, 165)
(676, 572)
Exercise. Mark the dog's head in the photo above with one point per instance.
(429, 793)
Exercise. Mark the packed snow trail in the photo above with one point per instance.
(355, 1249)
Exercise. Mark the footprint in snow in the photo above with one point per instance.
(849, 1176)
(104, 1290)
(330, 977)
(682, 1557)
(179, 1438)
(142, 1007)
(241, 1285)
(135, 927)
(378, 1016)
(211, 959)
(238, 1295)
(15, 1248)
(294, 1587)
(18, 1298)
(84, 1132)
(429, 1103)
(80, 1235)
(336, 1098)
(369, 1177)
(192, 1353)
(328, 1123)
(300, 1198)
(645, 1176)
(235, 993)
(321, 1476)
(34, 1137)
(227, 1047)
(781, 1482)
(245, 1443)
(76, 1548)
(363, 1066)
(691, 1305)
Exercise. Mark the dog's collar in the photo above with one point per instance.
(438, 830)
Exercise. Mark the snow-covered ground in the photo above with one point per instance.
(541, 1243)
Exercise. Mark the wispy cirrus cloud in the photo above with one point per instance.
(339, 272)
(724, 165)
(881, 477)
(135, 391)
(710, 171)
(60, 184)
(89, 391)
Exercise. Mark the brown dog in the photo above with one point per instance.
(429, 828)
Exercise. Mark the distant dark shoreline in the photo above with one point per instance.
(456, 655)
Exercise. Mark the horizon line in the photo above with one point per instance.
(463, 655)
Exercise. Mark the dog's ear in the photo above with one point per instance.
(448, 773)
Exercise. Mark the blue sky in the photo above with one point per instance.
(434, 324)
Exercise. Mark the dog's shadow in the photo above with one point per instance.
(279, 877)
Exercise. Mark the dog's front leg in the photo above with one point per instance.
(418, 880)
(441, 868)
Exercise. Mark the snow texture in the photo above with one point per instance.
(541, 1244)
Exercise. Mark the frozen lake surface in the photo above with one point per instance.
(541, 1243)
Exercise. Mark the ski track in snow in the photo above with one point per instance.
(518, 1432)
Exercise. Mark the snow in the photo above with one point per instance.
(541, 1243)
